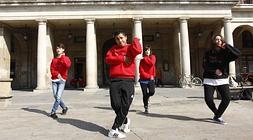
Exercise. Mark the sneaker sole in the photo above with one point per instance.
(116, 136)
(221, 123)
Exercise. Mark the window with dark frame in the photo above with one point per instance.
(247, 39)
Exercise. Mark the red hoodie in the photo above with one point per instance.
(147, 67)
(60, 66)
(115, 58)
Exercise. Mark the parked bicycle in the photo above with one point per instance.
(190, 81)
(245, 78)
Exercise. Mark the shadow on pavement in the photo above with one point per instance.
(84, 125)
(196, 97)
(176, 117)
(109, 108)
(75, 122)
(36, 111)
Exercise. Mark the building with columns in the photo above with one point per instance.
(179, 32)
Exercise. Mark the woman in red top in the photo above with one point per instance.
(122, 72)
(147, 75)
(59, 71)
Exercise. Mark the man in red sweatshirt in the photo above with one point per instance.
(121, 58)
(59, 71)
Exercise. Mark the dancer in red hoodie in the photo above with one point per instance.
(59, 71)
(121, 58)
(147, 75)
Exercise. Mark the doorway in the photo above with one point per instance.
(79, 80)
(107, 45)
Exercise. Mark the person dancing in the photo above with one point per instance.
(216, 72)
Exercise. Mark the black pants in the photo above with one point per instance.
(121, 95)
(158, 82)
(147, 91)
(225, 98)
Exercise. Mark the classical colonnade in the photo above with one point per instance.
(91, 49)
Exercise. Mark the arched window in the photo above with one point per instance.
(247, 39)
(246, 1)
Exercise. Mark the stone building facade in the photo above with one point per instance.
(179, 32)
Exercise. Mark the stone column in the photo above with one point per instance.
(228, 36)
(137, 32)
(41, 55)
(185, 48)
(50, 55)
(5, 61)
(177, 51)
(91, 55)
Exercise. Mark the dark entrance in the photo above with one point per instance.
(79, 73)
(107, 45)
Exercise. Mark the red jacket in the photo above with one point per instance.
(147, 67)
(115, 58)
(60, 66)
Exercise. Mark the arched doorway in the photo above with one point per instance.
(243, 39)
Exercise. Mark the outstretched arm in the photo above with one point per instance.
(232, 52)
(150, 60)
(135, 48)
(113, 58)
(65, 61)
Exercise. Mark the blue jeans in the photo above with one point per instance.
(58, 88)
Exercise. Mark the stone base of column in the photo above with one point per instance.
(5, 90)
(93, 90)
(91, 87)
(42, 90)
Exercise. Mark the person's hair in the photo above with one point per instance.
(146, 48)
(213, 39)
(61, 45)
(119, 32)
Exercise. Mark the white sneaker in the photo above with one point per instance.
(115, 134)
(125, 127)
(219, 120)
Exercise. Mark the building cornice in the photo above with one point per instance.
(82, 9)
(110, 2)
(243, 7)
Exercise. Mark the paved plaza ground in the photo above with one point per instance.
(175, 114)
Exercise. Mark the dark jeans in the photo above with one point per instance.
(225, 98)
(121, 95)
(147, 91)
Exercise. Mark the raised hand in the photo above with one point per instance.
(128, 60)
(218, 72)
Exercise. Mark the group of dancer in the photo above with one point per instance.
(121, 58)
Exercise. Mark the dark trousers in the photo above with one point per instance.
(147, 91)
(225, 98)
(121, 95)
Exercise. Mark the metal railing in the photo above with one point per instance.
(246, 1)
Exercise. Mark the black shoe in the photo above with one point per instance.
(53, 115)
(64, 111)
(146, 110)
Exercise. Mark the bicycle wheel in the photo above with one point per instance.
(196, 81)
(239, 79)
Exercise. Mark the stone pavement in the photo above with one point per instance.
(175, 114)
